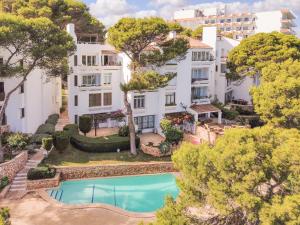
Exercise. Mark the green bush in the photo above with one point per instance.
(85, 124)
(52, 119)
(61, 140)
(5, 136)
(71, 129)
(101, 144)
(38, 138)
(123, 131)
(173, 135)
(229, 114)
(18, 140)
(3, 182)
(43, 172)
(46, 129)
(164, 147)
(47, 143)
(165, 124)
(4, 216)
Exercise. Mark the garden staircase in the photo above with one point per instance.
(62, 121)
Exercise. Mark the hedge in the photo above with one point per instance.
(61, 140)
(101, 144)
(38, 138)
(3, 182)
(71, 129)
(52, 119)
(47, 143)
(41, 173)
(46, 129)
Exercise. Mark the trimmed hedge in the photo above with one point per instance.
(85, 124)
(71, 129)
(38, 138)
(52, 119)
(47, 143)
(61, 140)
(3, 182)
(41, 173)
(101, 144)
(46, 129)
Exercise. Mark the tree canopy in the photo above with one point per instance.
(251, 176)
(277, 98)
(197, 33)
(259, 50)
(60, 12)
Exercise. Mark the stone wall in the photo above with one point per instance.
(115, 170)
(43, 183)
(152, 150)
(12, 167)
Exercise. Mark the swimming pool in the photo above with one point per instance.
(132, 193)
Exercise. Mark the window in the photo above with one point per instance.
(75, 80)
(199, 74)
(216, 68)
(2, 93)
(228, 28)
(139, 102)
(170, 99)
(95, 100)
(89, 60)
(1, 61)
(199, 93)
(22, 112)
(238, 19)
(222, 21)
(75, 60)
(246, 19)
(201, 56)
(228, 20)
(206, 21)
(245, 28)
(144, 122)
(107, 99)
(107, 79)
(75, 100)
(22, 89)
(223, 68)
(91, 80)
(76, 119)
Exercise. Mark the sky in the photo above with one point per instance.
(110, 11)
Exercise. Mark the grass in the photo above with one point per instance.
(75, 157)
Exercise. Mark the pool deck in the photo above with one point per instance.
(36, 209)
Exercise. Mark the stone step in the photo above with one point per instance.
(21, 175)
(19, 181)
(17, 189)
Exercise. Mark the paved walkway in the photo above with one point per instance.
(32, 210)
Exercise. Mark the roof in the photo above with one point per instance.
(194, 43)
(205, 108)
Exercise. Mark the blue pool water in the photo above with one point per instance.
(133, 193)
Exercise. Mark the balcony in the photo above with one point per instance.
(198, 80)
(288, 23)
(111, 63)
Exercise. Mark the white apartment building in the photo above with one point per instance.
(240, 25)
(30, 105)
(98, 70)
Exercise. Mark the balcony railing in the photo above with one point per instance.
(2, 96)
(199, 79)
(112, 63)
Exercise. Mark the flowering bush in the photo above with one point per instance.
(17, 140)
(180, 117)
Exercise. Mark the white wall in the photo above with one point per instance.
(268, 21)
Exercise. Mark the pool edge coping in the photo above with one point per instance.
(44, 195)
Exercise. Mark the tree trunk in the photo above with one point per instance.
(2, 111)
(130, 125)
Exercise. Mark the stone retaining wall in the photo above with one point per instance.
(114, 170)
(12, 167)
(43, 183)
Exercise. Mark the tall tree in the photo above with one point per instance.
(257, 51)
(29, 44)
(277, 98)
(251, 176)
(61, 12)
(198, 32)
(133, 36)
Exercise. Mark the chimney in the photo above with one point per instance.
(71, 31)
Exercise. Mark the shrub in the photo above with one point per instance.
(46, 129)
(85, 124)
(52, 119)
(3, 182)
(173, 135)
(47, 143)
(5, 136)
(18, 140)
(124, 131)
(71, 129)
(43, 172)
(61, 140)
(4, 216)
(38, 138)
(165, 124)
(101, 144)
(256, 122)
(229, 114)
(164, 147)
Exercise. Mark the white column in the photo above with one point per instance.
(220, 117)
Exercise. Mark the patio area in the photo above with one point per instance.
(102, 132)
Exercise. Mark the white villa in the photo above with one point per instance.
(30, 106)
(98, 70)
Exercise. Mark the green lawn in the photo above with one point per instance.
(74, 157)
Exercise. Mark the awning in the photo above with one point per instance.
(205, 108)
